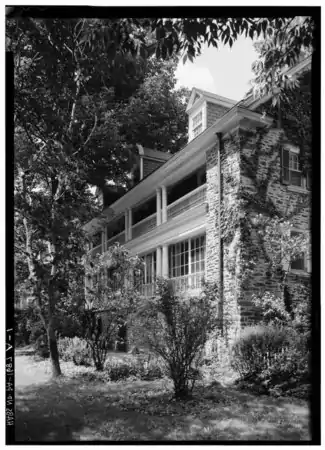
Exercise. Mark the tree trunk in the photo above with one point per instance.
(54, 354)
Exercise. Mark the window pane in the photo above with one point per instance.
(296, 178)
(298, 264)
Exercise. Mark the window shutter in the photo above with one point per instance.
(285, 173)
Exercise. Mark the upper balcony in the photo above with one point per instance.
(167, 213)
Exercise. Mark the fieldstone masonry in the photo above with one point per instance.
(237, 247)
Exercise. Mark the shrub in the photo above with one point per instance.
(251, 351)
(176, 329)
(134, 368)
(76, 350)
(290, 370)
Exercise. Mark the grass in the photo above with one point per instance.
(76, 409)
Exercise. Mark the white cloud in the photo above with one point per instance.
(190, 75)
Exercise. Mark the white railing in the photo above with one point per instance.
(193, 198)
(96, 250)
(144, 226)
(270, 358)
(119, 238)
(186, 282)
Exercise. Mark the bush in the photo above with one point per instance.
(256, 343)
(176, 329)
(273, 360)
(289, 372)
(76, 350)
(134, 368)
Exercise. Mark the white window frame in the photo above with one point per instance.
(184, 254)
(294, 152)
(201, 110)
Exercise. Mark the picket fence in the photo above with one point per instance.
(270, 357)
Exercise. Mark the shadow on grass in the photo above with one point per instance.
(64, 410)
(75, 410)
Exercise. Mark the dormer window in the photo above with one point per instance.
(197, 121)
(197, 124)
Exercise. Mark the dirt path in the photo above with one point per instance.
(25, 374)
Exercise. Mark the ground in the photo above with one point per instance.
(76, 409)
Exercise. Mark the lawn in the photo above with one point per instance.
(78, 407)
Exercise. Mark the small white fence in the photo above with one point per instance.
(270, 357)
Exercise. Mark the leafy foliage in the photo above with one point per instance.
(281, 47)
(177, 329)
(149, 368)
(76, 350)
(250, 351)
(110, 299)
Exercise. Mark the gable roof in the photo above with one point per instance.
(208, 96)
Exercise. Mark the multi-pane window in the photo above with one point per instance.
(291, 170)
(187, 263)
(148, 277)
(197, 124)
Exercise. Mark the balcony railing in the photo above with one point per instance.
(186, 282)
(193, 198)
(119, 238)
(144, 226)
(96, 250)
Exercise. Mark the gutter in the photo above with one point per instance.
(219, 136)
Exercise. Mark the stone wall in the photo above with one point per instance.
(262, 183)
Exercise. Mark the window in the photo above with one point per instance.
(187, 263)
(291, 171)
(302, 262)
(148, 277)
(197, 124)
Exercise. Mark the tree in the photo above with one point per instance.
(66, 88)
(155, 115)
(110, 299)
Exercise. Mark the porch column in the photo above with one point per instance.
(126, 217)
(165, 261)
(158, 261)
(158, 206)
(164, 204)
(130, 223)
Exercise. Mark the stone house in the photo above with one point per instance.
(187, 215)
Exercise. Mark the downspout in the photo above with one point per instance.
(219, 136)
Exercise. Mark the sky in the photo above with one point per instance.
(223, 71)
